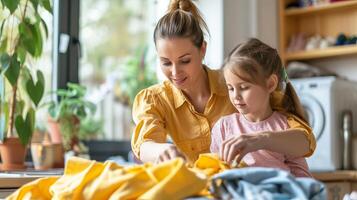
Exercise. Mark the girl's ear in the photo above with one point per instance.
(272, 82)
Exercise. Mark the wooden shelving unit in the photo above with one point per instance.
(324, 20)
(322, 53)
(321, 8)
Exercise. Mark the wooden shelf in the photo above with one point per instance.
(321, 8)
(322, 53)
(341, 175)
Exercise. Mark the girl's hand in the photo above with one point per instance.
(169, 152)
(235, 148)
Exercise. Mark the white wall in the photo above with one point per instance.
(212, 12)
(249, 18)
(344, 66)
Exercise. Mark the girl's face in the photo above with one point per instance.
(181, 61)
(250, 99)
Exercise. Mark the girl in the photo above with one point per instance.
(255, 77)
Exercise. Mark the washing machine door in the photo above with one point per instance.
(314, 113)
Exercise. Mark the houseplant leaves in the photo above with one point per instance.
(24, 127)
(11, 4)
(35, 91)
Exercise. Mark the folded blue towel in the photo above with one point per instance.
(264, 183)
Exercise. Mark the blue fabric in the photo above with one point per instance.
(264, 183)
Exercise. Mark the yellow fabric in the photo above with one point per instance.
(84, 179)
(210, 164)
(163, 110)
(38, 189)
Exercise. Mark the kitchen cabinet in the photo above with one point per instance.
(338, 183)
(329, 19)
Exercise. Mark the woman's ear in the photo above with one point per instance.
(272, 82)
(203, 49)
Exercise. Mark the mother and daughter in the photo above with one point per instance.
(247, 111)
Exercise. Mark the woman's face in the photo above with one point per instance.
(181, 61)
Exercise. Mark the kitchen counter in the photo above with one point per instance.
(338, 183)
(343, 175)
(10, 181)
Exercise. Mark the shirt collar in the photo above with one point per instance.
(216, 84)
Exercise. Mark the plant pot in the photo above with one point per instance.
(42, 155)
(58, 156)
(13, 154)
(55, 131)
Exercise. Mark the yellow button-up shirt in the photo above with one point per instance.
(163, 110)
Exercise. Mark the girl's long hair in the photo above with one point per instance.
(255, 61)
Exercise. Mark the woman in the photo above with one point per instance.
(186, 106)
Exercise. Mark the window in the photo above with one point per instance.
(45, 64)
(115, 38)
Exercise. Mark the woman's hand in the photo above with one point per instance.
(169, 152)
(234, 149)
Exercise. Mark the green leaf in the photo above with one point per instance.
(6, 111)
(31, 119)
(31, 37)
(11, 4)
(24, 127)
(3, 45)
(37, 39)
(2, 28)
(35, 91)
(44, 26)
(52, 110)
(20, 105)
(13, 71)
(40, 77)
(21, 52)
(35, 3)
(2, 126)
(47, 5)
(76, 89)
(26, 38)
(5, 60)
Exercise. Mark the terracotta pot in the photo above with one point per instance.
(55, 131)
(13, 154)
(58, 156)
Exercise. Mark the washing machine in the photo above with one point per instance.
(324, 100)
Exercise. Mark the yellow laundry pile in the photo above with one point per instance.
(85, 179)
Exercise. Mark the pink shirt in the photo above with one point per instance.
(235, 124)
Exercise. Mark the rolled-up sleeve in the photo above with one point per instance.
(149, 120)
(295, 122)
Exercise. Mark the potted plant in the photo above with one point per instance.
(22, 33)
(68, 114)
